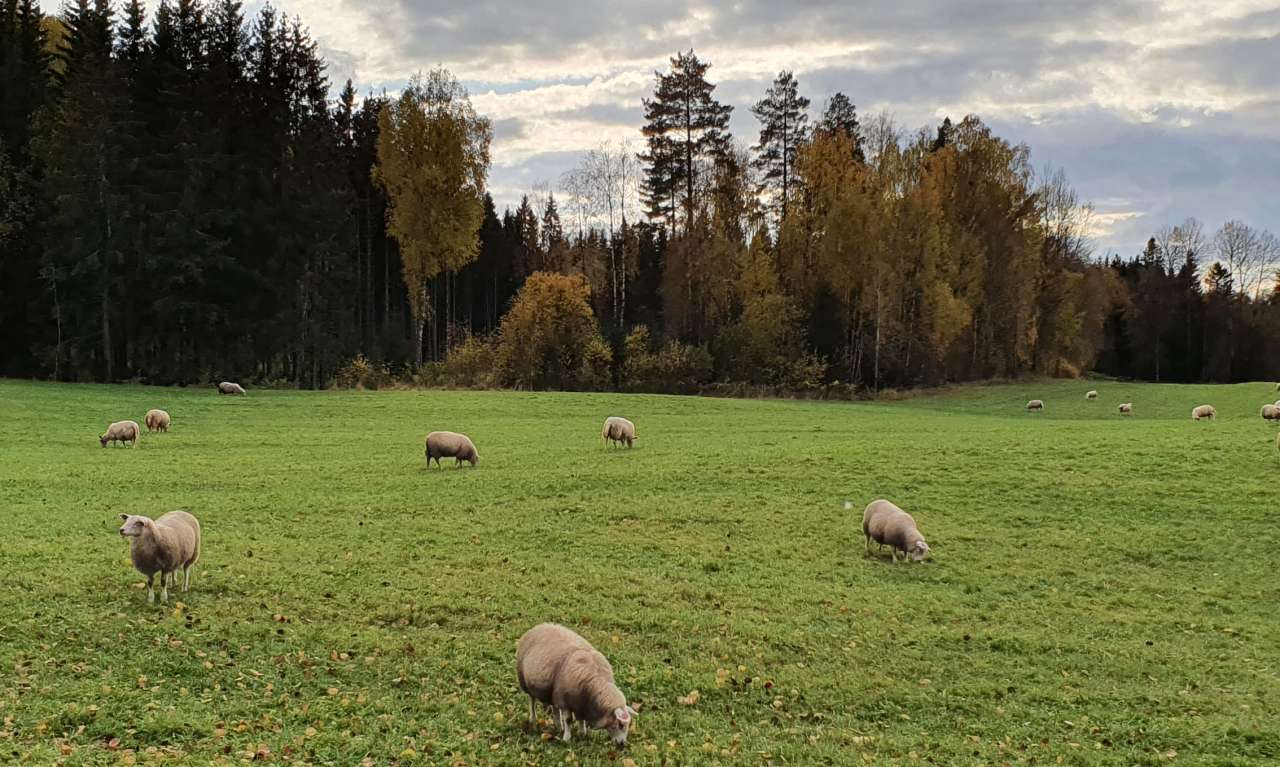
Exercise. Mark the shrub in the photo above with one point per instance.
(549, 339)
(675, 367)
(360, 373)
(473, 363)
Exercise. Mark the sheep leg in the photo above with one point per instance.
(186, 577)
(582, 727)
(151, 593)
(533, 713)
(164, 587)
(566, 732)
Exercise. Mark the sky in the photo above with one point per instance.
(1156, 110)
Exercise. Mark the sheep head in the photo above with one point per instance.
(133, 525)
(618, 724)
(918, 550)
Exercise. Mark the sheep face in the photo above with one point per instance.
(918, 551)
(103, 439)
(133, 525)
(617, 723)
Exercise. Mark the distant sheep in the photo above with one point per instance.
(1126, 408)
(557, 667)
(1035, 406)
(166, 546)
(157, 420)
(1204, 412)
(885, 523)
(1271, 412)
(618, 430)
(448, 444)
(1091, 395)
(121, 431)
(227, 387)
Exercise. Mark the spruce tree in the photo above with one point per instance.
(841, 116)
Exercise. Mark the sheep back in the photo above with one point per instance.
(617, 429)
(121, 431)
(228, 387)
(556, 666)
(1035, 405)
(1203, 412)
(157, 420)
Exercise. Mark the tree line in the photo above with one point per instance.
(181, 199)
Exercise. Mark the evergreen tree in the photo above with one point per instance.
(685, 127)
(784, 128)
(841, 117)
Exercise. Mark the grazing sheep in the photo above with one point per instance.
(448, 444)
(157, 420)
(618, 430)
(884, 522)
(165, 546)
(227, 387)
(121, 431)
(1091, 395)
(1035, 406)
(557, 667)
(1126, 408)
(1271, 412)
(1204, 412)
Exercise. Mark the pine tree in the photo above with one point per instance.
(841, 116)
(945, 137)
(684, 128)
(784, 128)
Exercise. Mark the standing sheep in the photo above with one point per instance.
(157, 420)
(448, 444)
(1271, 412)
(1035, 406)
(121, 431)
(884, 522)
(618, 430)
(1091, 395)
(1126, 408)
(227, 387)
(1204, 412)
(165, 546)
(557, 667)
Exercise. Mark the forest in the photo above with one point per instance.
(184, 198)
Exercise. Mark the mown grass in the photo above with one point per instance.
(1102, 591)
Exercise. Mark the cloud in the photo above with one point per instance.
(1170, 105)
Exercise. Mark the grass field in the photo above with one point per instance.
(1101, 591)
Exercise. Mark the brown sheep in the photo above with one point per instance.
(448, 444)
(122, 432)
(557, 667)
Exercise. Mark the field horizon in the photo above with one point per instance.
(1101, 590)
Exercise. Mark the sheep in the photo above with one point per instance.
(618, 430)
(157, 420)
(448, 444)
(884, 522)
(1091, 395)
(1271, 412)
(165, 546)
(1126, 408)
(557, 667)
(1204, 412)
(121, 431)
(1035, 406)
(227, 387)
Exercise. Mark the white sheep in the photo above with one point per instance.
(227, 387)
(1126, 408)
(618, 430)
(1035, 406)
(1204, 412)
(1271, 412)
(884, 522)
(122, 432)
(165, 546)
(1091, 395)
(448, 444)
(157, 420)
(557, 667)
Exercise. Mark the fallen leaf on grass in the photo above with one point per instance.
(691, 699)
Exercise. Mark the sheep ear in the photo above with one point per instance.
(631, 710)
(623, 714)
(124, 517)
